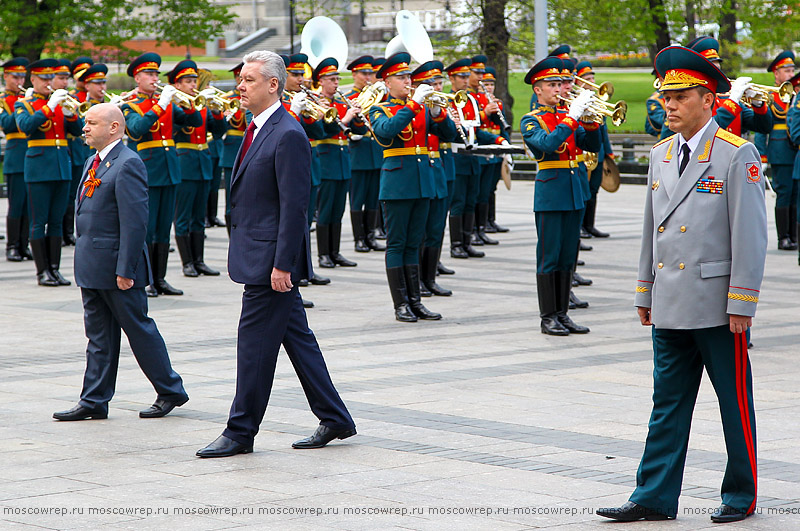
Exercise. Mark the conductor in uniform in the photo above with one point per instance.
(704, 243)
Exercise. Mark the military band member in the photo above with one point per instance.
(407, 182)
(196, 167)
(552, 135)
(212, 205)
(334, 158)
(704, 242)
(656, 123)
(430, 73)
(151, 120)
(14, 161)
(584, 71)
(366, 158)
(793, 125)
(489, 81)
(78, 150)
(776, 149)
(468, 169)
(230, 144)
(48, 170)
(729, 112)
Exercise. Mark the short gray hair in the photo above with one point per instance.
(272, 65)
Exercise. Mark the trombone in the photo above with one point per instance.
(604, 90)
(184, 100)
(220, 101)
(315, 110)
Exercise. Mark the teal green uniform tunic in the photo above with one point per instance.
(14, 159)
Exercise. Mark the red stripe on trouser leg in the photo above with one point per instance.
(740, 342)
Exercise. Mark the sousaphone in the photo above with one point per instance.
(322, 37)
(411, 38)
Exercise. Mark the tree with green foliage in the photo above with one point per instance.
(31, 27)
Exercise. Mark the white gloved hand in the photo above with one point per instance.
(299, 103)
(579, 105)
(208, 93)
(422, 92)
(56, 98)
(166, 96)
(739, 87)
(509, 160)
(29, 92)
(356, 138)
(505, 143)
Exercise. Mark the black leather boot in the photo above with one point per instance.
(151, 290)
(482, 217)
(575, 302)
(578, 280)
(493, 215)
(785, 242)
(24, 235)
(359, 234)
(43, 274)
(564, 285)
(68, 225)
(162, 286)
(197, 241)
(397, 287)
(414, 301)
(441, 269)
(228, 224)
(469, 223)
(185, 250)
(324, 246)
(793, 223)
(588, 220)
(456, 235)
(336, 240)
(430, 260)
(12, 239)
(372, 221)
(54, 258)
(546, 292)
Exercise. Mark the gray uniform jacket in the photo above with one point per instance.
(704, 239)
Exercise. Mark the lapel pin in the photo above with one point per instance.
(108, 164)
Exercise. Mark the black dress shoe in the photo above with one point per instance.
(340, 260)
(585, 247)
(189, 270)
(326, 262)
(458, 252)
(725, 513)
(575, 302)
(322, 436)
(60, 278)
(786, 244)
(318, 280)
(553, 327)
(631, 512)
(224, 447)
(12, 255)
(151, 291)
(442, 270)
(362, 247)
(580, 280)
(80, 412)
(216, 222)
(164, 288)
(307, 304)
(584, 233)
(580, 262)
(404, 314)
(161, 407)
(595, 232)
(302, 283)
(570, 325)
(424, 291)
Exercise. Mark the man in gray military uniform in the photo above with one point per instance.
(700, 270)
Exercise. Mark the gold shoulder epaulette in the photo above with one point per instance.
(662, 141)
(729, 137)
(135, 107)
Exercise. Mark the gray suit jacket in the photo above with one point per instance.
(704, 240)
(111, 226)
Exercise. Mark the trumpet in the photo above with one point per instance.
(492, 99)
(72, 105)
(604, 90)
(315, 110)
(598, 108)
(443, 99)
(220, 101)
(184, 100)
(785, 93)
(119, 99)
(331, 114)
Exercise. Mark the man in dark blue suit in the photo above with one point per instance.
(268, 253)
(111, 267)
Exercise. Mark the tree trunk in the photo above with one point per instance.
(658, 17)
(37, 32)
(493, 39)
(690, 14)
(727, 37)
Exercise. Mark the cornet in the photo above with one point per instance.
(71, 105)
(598, 108)
(785, 93)
(443, 99)
(315, 110)
(220, 101)
(604, 90)
(184, 100)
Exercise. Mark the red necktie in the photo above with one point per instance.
(248, 139)
(91, 183)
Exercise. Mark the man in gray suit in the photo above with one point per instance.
(702, 260)
(111, 267)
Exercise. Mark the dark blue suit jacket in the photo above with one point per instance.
(269, 199)
(111, 226)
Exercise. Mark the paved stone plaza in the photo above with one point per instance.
(475, 422)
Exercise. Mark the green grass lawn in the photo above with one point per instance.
(633, 87)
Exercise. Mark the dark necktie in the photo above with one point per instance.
(248, 140)
(90, 184)
(685, 154)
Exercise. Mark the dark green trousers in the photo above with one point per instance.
(490, 173)
(190, 207)
(558, 234)
(331, 200)
(465, 194)
(679, 357)
(405, 228)
(162, 212)
(437, 219)
(785, 187)
(47, 201)
(17, 195)
(364, 185)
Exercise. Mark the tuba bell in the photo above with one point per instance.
(411, 37)
(322, 37)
